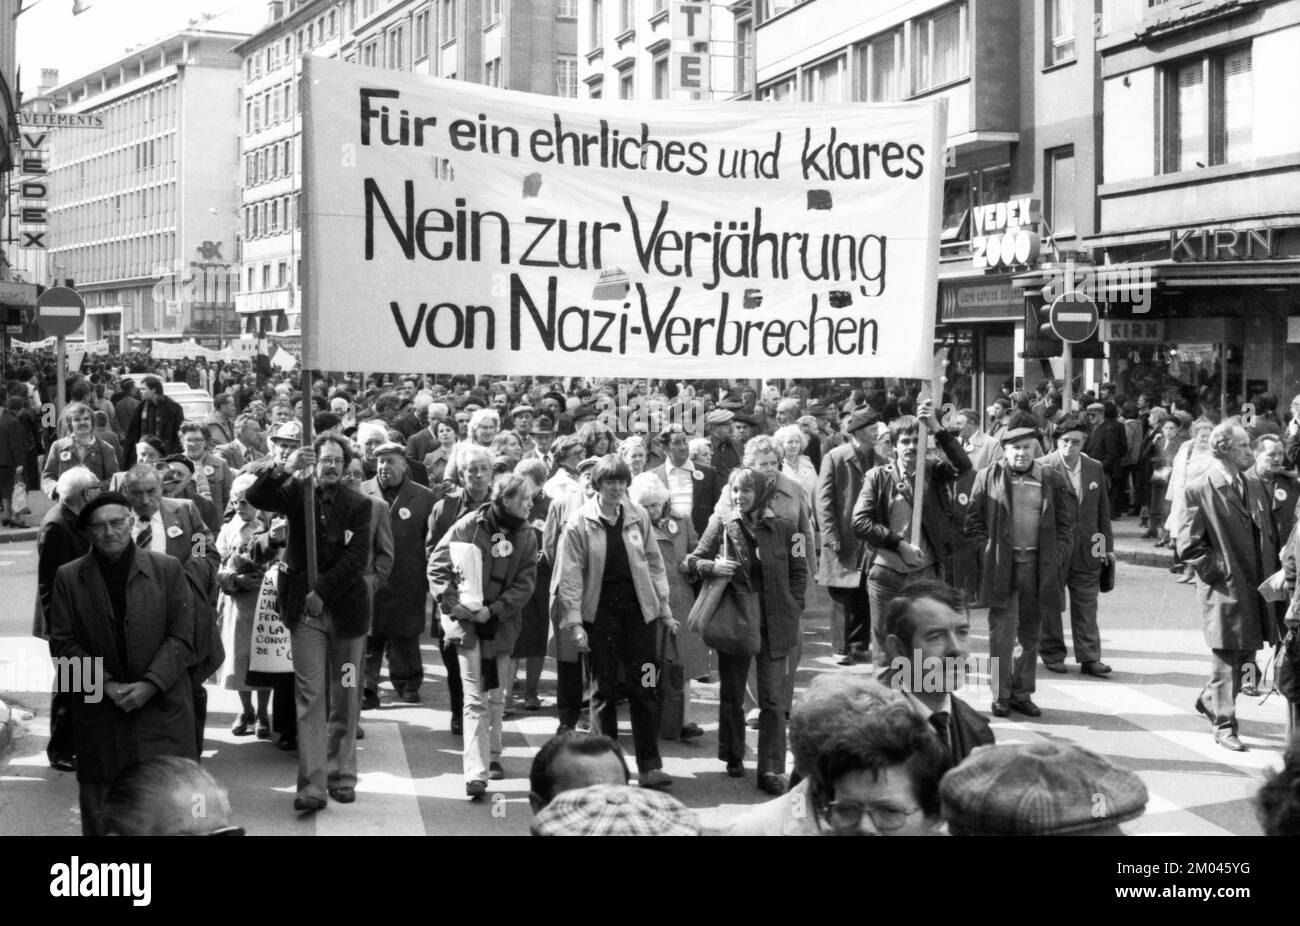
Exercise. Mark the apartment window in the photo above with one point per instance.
(266, 276)
(370, 54)
(492, 73)
(448, 30)
(567, 9)
(744, 53)
(282, 274)
(288, 48)
(596, 90)
(252, 277)
(275, 217)
(597, 23)
(395, 37)
(333, 23)
(275, 161)
(493, 11)
(248, 69)
(257, 66)
(420, 36)
(824, 83)
(368, 8)
(253, 215)
(1060, 31)
(979, 187)
(1208, 111)
(311, 35)
(626, 85)
(660, 72)
(939, 48)
(781, 91)
(880, 68)
(566, 75)
(777, 7)
(626, 15)
(1060, 192)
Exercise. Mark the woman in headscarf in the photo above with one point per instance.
(760, 563)
(676, 538)
(240, 581)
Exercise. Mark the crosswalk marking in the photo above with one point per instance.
(387, 802)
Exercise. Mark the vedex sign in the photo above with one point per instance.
(1005, 234)
(696, 239)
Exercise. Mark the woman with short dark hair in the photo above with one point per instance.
(613, 594)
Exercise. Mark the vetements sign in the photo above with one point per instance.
(460, 228)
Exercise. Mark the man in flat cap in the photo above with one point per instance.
(727, 454)
(1039, 789)
(843, 566)
(1020, 516)
(521, 420)
(399, 605)
(130, 609)
(1094, 547)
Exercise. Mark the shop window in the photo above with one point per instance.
(1208, 112)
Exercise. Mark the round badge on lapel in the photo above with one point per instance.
(209, 471)
(672, 526)
(1280, 494)
(404, 513)
(696, 475)
(1092, 487)
(963, 499)
(173, 531)
(65, 456)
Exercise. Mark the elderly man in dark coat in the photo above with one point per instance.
(1220, 540)
(844, 560)
(1021, 517)
(399, 606)
(128, 610)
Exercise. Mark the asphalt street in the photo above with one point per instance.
(410, 782)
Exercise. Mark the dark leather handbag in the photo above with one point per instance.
(727, 618)
(1108, 577)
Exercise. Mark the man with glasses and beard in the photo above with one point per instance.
(327, 623)
(1020, 515)
(129, 607)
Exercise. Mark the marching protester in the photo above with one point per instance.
(766, 574)
(327, 623)
(145, 708)
(1094, 550)
(80, 447)
(614, 599)
(240, 581)
(483, 618)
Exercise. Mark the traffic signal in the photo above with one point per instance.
(1041, 341)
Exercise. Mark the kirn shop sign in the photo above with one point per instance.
(33, 192)
(1005, 234)
(1115, 331)
(1201, 244)
(692, 29)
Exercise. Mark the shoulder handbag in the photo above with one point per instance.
(726, 617)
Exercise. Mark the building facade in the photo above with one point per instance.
(144, 207)
(1200, 192)
(518, 45)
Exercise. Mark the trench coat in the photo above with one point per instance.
(838, 486)
(1219, 539)
(157, 646)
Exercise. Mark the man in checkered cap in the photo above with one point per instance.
(615, 810)
(1039, 789)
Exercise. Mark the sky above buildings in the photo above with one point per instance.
(49, 36)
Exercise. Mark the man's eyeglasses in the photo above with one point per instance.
(848, 815)
(116, 525)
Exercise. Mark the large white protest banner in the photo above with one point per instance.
(458, 228)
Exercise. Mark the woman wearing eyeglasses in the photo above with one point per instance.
(870, 765)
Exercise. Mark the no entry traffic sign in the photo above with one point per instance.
(1073, 317)
(60, 311)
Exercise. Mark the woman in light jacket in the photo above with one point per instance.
(613, 596)
(485, 635)
(78, 447)
(759, 559)
(791, 441)
(240, 581)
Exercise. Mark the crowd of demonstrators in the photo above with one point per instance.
(595, 511)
